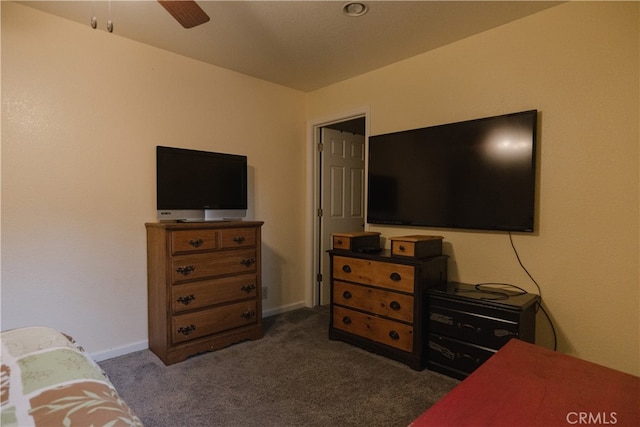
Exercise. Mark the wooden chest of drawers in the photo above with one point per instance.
(468, 324)
(379, 303)
(204, 286)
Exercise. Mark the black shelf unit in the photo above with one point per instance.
(469, 323)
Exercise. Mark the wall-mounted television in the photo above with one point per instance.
(193, 185)
(477, 174)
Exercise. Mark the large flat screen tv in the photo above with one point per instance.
(195, 185)
(477, 174)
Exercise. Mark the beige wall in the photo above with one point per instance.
(578, 64)
(82, 112)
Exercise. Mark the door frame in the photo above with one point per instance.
(313, 193)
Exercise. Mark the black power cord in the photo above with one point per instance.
(515, 251)
(539, 304)
(498, 291)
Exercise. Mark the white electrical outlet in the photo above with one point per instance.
(265, 292)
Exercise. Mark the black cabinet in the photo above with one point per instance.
(468, 324)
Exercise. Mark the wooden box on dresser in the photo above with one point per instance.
(379, 302)
(204, 286)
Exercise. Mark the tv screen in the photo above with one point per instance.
(477, 174)
(200, 185)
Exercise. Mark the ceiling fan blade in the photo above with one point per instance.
(186, 12)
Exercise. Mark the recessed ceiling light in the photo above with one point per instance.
(355, 9)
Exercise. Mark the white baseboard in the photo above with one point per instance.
(143, 345)
(120, 351)
(283, 309)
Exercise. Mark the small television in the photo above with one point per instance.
(193, 185)
(477, 174)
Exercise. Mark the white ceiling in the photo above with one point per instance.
(304, 45)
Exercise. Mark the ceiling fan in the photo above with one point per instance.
(186, 12)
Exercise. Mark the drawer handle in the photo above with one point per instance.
(196, 243)
(239, 239)
(401, 247)
(339, 242)
(500, 333)
(186, 330)
(248, 314)
(248, 261)
(471, 358)
(346, 268)
(347, 294)
(248, 289)
(186, 270)
(394, 335)
(346, 320)
(395, 305)
(395, 277)
(186, 299)
(469, 326)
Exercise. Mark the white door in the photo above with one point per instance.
(342, 194)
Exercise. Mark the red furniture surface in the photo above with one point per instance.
(527, 385)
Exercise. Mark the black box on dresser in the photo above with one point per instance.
(416, 246)
(359, 241)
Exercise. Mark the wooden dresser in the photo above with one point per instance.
(204, 286)
(379, 302)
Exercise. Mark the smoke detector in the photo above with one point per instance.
(355, 9)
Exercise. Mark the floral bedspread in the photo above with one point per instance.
(47, 380)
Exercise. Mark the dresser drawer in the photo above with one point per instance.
(374, 328)
(212, 264)
(193, 240)
(377, 301)
(382, 274)
(195, 295)
(206, 322)
(455, 354)
(478, 329)
(237, 238)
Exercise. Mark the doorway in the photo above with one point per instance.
(340, 193)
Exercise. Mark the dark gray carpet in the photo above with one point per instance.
(294, 376)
